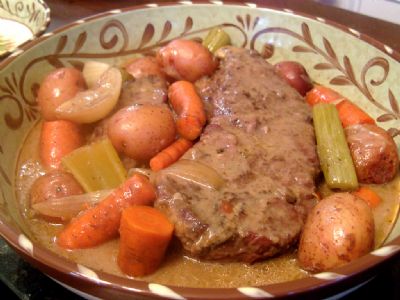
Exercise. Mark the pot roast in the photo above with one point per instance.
(260, 140)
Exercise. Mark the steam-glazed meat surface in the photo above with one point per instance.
(261, 141)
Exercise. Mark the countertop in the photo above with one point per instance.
(20, 280)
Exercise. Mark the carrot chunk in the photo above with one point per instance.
(368, 195)
(145, 234)
(322, 94)
(100, 223)
(189, 107)
(351, 114)
(57, 139)
(170, 154)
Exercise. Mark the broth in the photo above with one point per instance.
(178, 269)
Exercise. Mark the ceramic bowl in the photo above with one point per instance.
(359, 67)
(21, 21)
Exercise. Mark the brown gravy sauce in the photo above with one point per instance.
(178, 269)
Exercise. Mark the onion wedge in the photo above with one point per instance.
(66, 208)
(93, 104)
(92, 71)
(195, 172)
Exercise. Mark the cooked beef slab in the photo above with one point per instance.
(261, 141)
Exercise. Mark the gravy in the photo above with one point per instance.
(178, 269)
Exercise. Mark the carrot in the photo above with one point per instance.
(351, 114)
(170, 154)
(226, 207)
(57, 139)
(144, 66)
(189, 107)
(322, 94)
(145, 234)
(100, 223)
(368, 195)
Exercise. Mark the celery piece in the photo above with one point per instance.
(333, 151)
(96, 166)
(216, 38)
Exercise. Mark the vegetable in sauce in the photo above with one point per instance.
(98, 225)
(336, 162)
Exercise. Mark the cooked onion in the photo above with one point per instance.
(95, 103)
(195, 172)
(92, 70)
(68, 207)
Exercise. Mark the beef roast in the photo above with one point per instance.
(260, 139)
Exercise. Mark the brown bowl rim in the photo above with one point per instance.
(66, 271)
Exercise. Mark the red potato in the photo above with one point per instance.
(186, 60)
(295, 75)
(55, 184)
(144, 67)
(339, 229)
(140, 132)
(145, 90)
(374, 153)
(58, 87)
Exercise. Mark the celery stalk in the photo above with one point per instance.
(216, 38)
(333, 151)
(96, 166)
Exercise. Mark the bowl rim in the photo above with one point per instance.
(42, 29)
(60, 267)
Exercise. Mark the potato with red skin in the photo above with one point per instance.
(339, 229)
(57, 87)
(374, 153)
(141, 131)
(295, 75)
(53, 185)
(144, 67)
(186, 60)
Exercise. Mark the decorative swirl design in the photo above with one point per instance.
(23, 10)
(384, 65)
(13, 122)
(347, 77)
(19, 9)
(114, 36)
(59, 58)
(113, 41)
(4, 174)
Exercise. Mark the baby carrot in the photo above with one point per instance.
(145, 234)
(368, 195)
(170, 154)
(189, 107)
(351, 114)
(322, 94)
(57, 139)
(100, 223)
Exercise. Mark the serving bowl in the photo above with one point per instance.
(21, 21)
(357, 66)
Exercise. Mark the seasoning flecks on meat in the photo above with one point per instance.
(260, 139)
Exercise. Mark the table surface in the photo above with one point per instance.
(19, 280)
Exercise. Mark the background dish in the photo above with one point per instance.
(21, 21)
(310, 41)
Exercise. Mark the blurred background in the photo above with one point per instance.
(388, 10)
